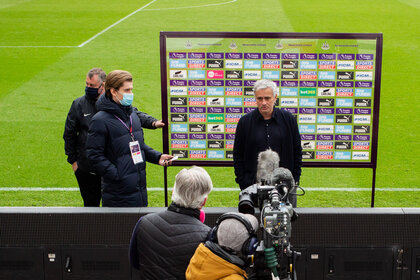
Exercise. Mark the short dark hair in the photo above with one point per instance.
(97, 71)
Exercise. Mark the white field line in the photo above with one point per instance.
(16, 47)
(29, 189)
(189, 7)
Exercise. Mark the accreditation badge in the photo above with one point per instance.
(136, 152)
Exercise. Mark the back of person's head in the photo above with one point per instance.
(237, 232)
(191, 187)
(115, 80)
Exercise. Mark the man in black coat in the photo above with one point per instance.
(266, 128)
(75, 134)
(162, 244)
(116, 148)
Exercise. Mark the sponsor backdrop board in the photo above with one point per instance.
(330, 82)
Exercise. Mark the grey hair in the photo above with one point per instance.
(191, 187)
(263, 84)
(97, 71)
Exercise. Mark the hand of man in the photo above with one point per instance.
(164, 160)
(74, 166)
(159, 124)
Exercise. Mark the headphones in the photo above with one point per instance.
(250, 245)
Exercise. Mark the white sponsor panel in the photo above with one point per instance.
(326, 91)
(360, 155)
(252, 75)
(308, 145)
(363, 76)
(345, 65)
(307, 118)
(233, 64)
(362, 119)
(325, 129)
(178, 91)
(288, 102)
(178, 74)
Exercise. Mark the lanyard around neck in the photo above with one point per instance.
(130, 129)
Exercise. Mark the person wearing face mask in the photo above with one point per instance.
(75, 133)
(116, 147)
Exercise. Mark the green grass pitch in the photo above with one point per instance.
(42, 70)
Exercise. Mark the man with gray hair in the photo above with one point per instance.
(162, 244)
(266, 128)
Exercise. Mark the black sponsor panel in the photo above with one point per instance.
(180, 153)
(325, 102)
(343, 145)
(215, 63)
(343, 118)
(363, 102)
(363, 129)
(233, 74)
(289, 64)
(229, 154)
(248, 91)
(197, 127)
(345, 75)
(308, 155)
(178, 101)
(217, 144)
(289, 75)
(178, 117)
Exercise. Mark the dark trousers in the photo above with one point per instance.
(90, 187)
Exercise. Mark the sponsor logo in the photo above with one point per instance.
(196, 91)
(307, 91)
(326, 64)
(324, 155)
(233, 64)
(197, 101)
(344, 111)
(345, 65)
(250, 101)
(307, 83)
(214, 136)
(327, 56)
(363, 102)
(179, 144)
(343, 118)
(325, 145)
(324, 137)
(197, 117)
(230, 136)
(233, 117)
(342, 129)
(216, 118)
(179, 128)
(289, 83)
(307, 64)
(364, 84)
(214, 63)
(233, 83)
(215, 74)
(345, 84)
(360, 156)
(362, 119)
(215, 128)
(249, 83)
(271, 75)
(178, 101)
(307, 137)
(308, 75)
(215, 101)
(361, 137)
(347, 75)
(342, 155)
(328, 129)
(289, 91)
(197, 144)
(215, 110)
(339, 137)
(291, 110)
(216, 154)
(252, 55)
(180, 153)
(216, 144)
(196, 83)
(248, 92)
(345, 92)
(307, 128)
(308, 155)
(236, 74)
(364, 57)
(344, 102)
(326, 75)
(212, 55)
(237, 91)
(195, 55)
(196, 63)
(290, 75)
(361, 145)
(229, 144)
(248, 75)
(271, 64)
(215, 91)
(343, 56)
(196, 74)
(363, 92)
(231, 101)
(214, 83)
(325, 119)
(325, 102)
(325, 110)
(361, 111)
(308, 145)
(289, 102)
(198, 154)
(326, 91)
(252, 64)
(271, 56)
(234, 56)
(364, 76)
(178, 83)
(230, 128)
(177, 63)
(178, 109)
(310, 56)
(306, 102)
(326, 84)
(178, 91)
(229, 154)
(177, 55)
(289, 64)
(307, 110)
(307, 118)
(361, 129)
(289, 56)
(199, 136)
(179, 135)
(364, 65)
(197, 127)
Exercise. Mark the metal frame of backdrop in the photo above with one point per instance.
(374, 121)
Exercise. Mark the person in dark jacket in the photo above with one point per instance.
(266, 128)
(163, 243)
(75, 134)
(116, 148)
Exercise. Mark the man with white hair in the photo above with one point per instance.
(163, 243)
(266, 128)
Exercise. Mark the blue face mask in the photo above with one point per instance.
(91, 92)
(127, 99)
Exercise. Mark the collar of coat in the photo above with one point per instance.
(186, 211)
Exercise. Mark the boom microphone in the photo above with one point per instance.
(269, 172)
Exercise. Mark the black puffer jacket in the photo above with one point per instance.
(123, 183)
(163, 243)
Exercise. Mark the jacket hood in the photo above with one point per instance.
(109, 106)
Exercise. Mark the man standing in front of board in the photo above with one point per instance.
(266, 128)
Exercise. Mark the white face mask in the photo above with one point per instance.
(127, 99)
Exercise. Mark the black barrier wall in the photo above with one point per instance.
(82, 243)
